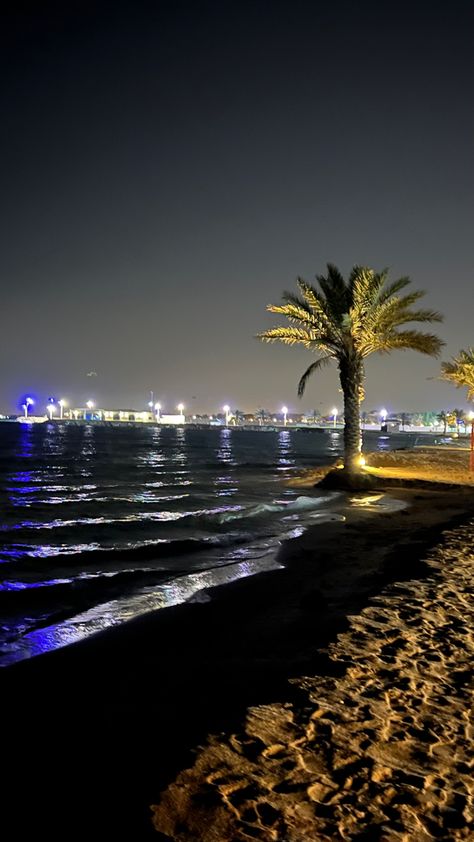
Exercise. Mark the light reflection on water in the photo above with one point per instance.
(70, 490)
(115, 613)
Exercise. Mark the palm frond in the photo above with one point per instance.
(411, 340)
(309, 371)
(296, 313)
(395, 287)
(296, 336)
(336, 292)
(460, 371)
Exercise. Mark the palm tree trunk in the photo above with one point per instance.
(351, 375)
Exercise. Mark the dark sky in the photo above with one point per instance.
(169, 168)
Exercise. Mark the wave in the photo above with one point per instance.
(301, 504)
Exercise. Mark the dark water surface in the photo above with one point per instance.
(100, 524)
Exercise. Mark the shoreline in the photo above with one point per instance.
(94, 716)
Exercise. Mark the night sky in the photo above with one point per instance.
(169, 168)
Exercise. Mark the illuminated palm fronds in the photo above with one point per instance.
(346, 321)
(461, 371)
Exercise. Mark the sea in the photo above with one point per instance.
(101, 524)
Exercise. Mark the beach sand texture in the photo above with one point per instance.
(382, 751)
(336, 688)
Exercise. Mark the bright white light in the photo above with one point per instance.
(28, 402)
(471, 416)
(226, 408)
(51, 410)
(150, 404)
(62, 402)
(383, 414)
(284, 409)
(90, 404)
(181, 407)
(157, 406)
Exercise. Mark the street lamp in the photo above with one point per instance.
(51, 408)
(383, 415)
(284, 410)
(226, 409)
(157, 410)
(28, 402)
(335, 413)
(90, 404)
(61, 405)
(180, 407)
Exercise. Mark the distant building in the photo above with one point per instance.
(137, 416)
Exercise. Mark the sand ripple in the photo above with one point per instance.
(382, 753)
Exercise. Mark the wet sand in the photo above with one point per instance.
(94, 733)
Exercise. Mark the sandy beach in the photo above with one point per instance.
(325, 700)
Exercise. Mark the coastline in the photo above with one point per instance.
(111, 721)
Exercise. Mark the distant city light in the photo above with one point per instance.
(180, 407)
(383, 414)
(284, 410)
(28, 402)
(335, 413)
(90, 404)
(62, 403)
(226, 409)
(51, 409)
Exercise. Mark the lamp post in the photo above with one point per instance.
(284, 410)
(61, 405)
(180, 407)
(335, 413)
(226, 409)
(158, 410)
(28, 402)
(51, 409)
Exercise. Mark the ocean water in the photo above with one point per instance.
(101, 524)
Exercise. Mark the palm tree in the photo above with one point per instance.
(461, 371)
(459, 418)
(346, 321)
(442, 418)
